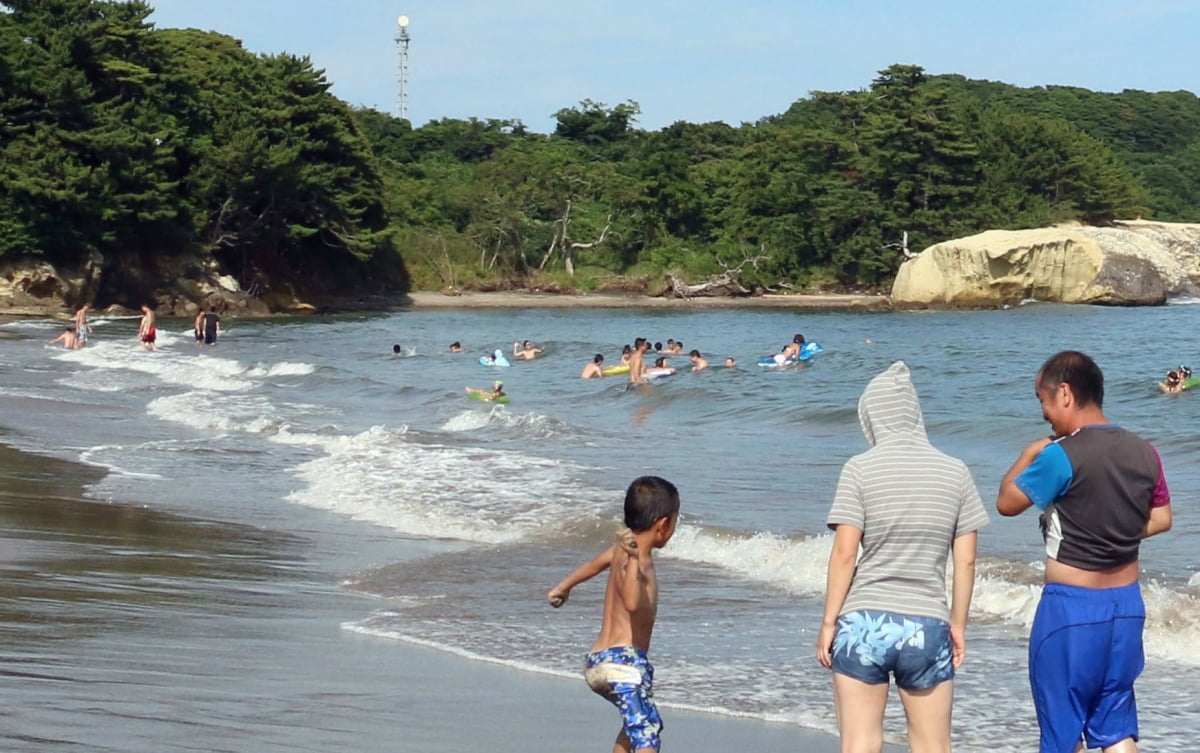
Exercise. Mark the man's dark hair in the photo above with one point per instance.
(638, 342)
(648, 500)
(396, 348)
(694, 354)
(1078, 370)
(658, 346)
(598, 358)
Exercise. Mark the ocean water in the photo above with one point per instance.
(477, 510)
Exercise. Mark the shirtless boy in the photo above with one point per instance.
(594, 369)
(82, 328)
(198, 327)
(69, 339)
(637, 361)
(618, 667)
(698, 362)
(526, 350)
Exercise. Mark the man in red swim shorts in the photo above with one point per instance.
(146, 330)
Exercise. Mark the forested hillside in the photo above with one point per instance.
(132, 145)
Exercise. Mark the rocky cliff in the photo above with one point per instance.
(1133, 263)
(180, 287)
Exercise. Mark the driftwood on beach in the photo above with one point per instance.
(721, 286)
(725, 284)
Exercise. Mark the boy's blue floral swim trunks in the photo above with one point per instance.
(625, 677)
(870, 645)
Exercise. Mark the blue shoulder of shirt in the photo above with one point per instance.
(1047, 477)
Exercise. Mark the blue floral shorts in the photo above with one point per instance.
(869, 646)
(625, 677)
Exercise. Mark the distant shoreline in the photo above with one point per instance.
(520, 299)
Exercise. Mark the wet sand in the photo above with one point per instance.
(126, 629)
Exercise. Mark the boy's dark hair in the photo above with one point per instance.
(658, 346)
(1077, 370)
(648, 500)
(694, 354)
(396, 348)
(660, 362)
(598, 358)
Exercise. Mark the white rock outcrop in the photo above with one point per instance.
(1135, 263)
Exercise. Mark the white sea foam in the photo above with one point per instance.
(366, 627)
(220, 413)
(529, 425)
(196, 371)
(283, 368)
(93, 456)
(200, 372)
(467, 493)
(1004, 593)
(471, 420)
(794, 565)
(93, 381)
(35, 324)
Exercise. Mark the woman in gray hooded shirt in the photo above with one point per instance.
(909, 506)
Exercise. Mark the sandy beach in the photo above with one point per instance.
(132, 630)
(520, 300)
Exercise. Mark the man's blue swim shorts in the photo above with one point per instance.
(870, 646)
(1085, 651)
(625, 677)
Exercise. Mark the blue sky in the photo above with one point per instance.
(699, 61)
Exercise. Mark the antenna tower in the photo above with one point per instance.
(402, 39)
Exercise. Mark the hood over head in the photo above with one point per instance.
(889, 409)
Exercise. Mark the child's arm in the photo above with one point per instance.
(633, 582)
(590, 569)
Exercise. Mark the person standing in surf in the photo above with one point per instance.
(908, 505)
(1100, 490)
(637, 361)
(212, 326)
(82, 328)
(147, 332)
(618, 666)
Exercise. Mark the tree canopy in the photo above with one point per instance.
(136, 145)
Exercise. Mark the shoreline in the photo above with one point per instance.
(523, 299)
(518, 299)
(255, 654)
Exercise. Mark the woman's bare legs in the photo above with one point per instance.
(859, 708)
(928, 714)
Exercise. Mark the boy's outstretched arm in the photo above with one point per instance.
(590, 569)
